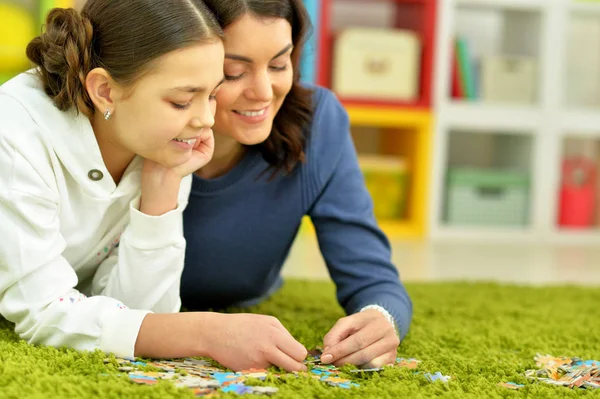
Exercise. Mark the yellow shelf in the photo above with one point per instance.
(409, 135)
(401, 229)
(387, 117)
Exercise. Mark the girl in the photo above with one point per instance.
(284, 151)
(96, 151)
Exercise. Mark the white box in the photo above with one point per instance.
(377, 63)
(508, 79)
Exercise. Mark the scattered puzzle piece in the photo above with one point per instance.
(565, 371)
(240, 389)
(407, 363)
(511, 385)
(206, 379)
(437, 377)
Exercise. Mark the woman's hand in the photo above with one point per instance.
(365, 339)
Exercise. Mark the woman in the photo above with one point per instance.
(97, 147)
(284, 151)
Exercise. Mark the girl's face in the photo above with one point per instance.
(168, 108)
(258, 77)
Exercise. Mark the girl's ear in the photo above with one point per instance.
(103, 90)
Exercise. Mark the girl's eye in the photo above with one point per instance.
(180, 106)
(279, 68)
(212, 97)
(233, 77)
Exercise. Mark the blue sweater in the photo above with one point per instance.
(239, 228)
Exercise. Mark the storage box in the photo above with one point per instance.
(577, 198)
(377, 63)
(487, 197)
(386, 179)
(508, 79)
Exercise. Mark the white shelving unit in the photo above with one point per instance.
(540, 29)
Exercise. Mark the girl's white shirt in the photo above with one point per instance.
(80, 265)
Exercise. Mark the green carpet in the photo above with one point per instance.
(480, 334)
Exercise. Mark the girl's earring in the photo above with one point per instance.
(107, 115)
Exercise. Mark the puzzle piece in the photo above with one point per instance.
(240, 389)
(564, 371)
(511, 385)
(206, 379)
(437, 377)
(407, 363)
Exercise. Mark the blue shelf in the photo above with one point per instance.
(308, 64)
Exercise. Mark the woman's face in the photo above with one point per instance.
(258, 76)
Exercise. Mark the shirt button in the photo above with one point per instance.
(95, 175)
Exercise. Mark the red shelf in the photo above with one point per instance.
(369, 102)
(415, 15)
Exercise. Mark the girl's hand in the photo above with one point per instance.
(160, 185)
(202, 153)
(245, 341)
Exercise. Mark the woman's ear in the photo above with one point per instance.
(103, 90)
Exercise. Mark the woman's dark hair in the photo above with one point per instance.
(285, 146)
(123, 37)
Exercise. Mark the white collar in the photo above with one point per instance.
(70, 136)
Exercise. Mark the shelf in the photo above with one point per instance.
(482, 117)
(418, 16)
(506, 4)
(562, 116)
(392, 229)
(387, 116)
(401, 229)
(491, 234)
(374, 102)
(585, 7)
(527, 237)
(584, 122)
(576, 237)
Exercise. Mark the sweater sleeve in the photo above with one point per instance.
(37, 284)
(356, 251)
(146, 272)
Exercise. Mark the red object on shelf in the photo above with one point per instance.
(456, 87)
(577, 193)
(415, 15)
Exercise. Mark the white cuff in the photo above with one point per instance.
(120, 329)
(385, 313)
(152, 232)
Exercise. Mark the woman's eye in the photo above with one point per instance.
(234, 77)
(278, 68)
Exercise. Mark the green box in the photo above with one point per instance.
(487, 197)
